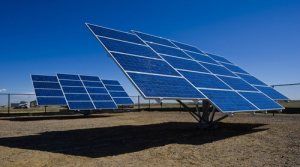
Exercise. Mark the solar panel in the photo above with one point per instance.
(48, 91)
(117, 92)
(211, 72)
(161, 68)
(85, 92)
(151, 75)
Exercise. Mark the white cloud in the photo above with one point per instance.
(3, 90)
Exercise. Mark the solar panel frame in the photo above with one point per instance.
(201, 96)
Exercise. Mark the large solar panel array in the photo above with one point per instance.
(47, 90)
(85, 92)
(117, 92)
(79, 92)
(161, 68)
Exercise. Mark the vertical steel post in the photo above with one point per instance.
(149, 104)
(8, 103)
(139, 105)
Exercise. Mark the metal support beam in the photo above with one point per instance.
(195, 115)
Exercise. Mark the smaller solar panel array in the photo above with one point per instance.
(78, 92)
(48, 90)
(117, 92)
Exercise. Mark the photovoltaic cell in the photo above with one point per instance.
(272, 93)
(162, 86)
(218, 58)
(114, 34)
(202, 58)
(234, 68)
(129, 48)
(228, 101)
(185, 64)
(48, 91)
(168, 50)
(237, 83)
(133, 63)
(252, 80)
(117, 92)
(261, 101)
(154, 39)
(187, 47)
(204, 80)
(219, 70)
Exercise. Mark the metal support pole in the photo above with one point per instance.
(149, 104)
(139, 105)
(205, 109)
(45, 109)
(161, 105)
(8, 103)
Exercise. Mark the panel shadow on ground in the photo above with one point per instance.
(108, 141)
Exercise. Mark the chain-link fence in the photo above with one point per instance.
(26, 103)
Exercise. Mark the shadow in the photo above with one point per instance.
(108, 141)
(54, 117)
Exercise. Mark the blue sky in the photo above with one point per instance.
(49, 37)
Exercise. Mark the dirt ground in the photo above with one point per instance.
(149, 139)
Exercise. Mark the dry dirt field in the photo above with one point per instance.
(149, 139)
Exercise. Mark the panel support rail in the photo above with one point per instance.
(206, 116)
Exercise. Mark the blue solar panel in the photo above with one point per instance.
(47, 101)
(123, 101)
(219, 70)
(261, 101)
(162, 86)
(111, 82)
(83, 92)
(44, 78)
(96, 90)
(272, 93)
(129, 48)
(204, 80)
(202, 58)
(114, 46)
(185, 64)
(234, 68)
(47, 85)
(237, 83)
(228, 101)
(117, 92)
(168, 50)
(81, 105)
(218, 58)
(151, 38)
(155, 77)
(252, 80)
(187, 47)
(48, 91)
(133, 63)
(102, 31)
(105, 104)
(100, 100)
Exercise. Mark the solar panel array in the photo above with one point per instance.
(117, 92)
(161, 68)
(48, 90)
(79, 92)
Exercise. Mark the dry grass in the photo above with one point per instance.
(149, 139)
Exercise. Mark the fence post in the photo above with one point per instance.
(8, 103)
(139, 107)
(149, 104)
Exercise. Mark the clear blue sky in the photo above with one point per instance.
(49, 37)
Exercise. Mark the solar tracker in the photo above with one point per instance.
(151, 75)
(167, 69)
(117, 92)
(48, 91)
(85, 92)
